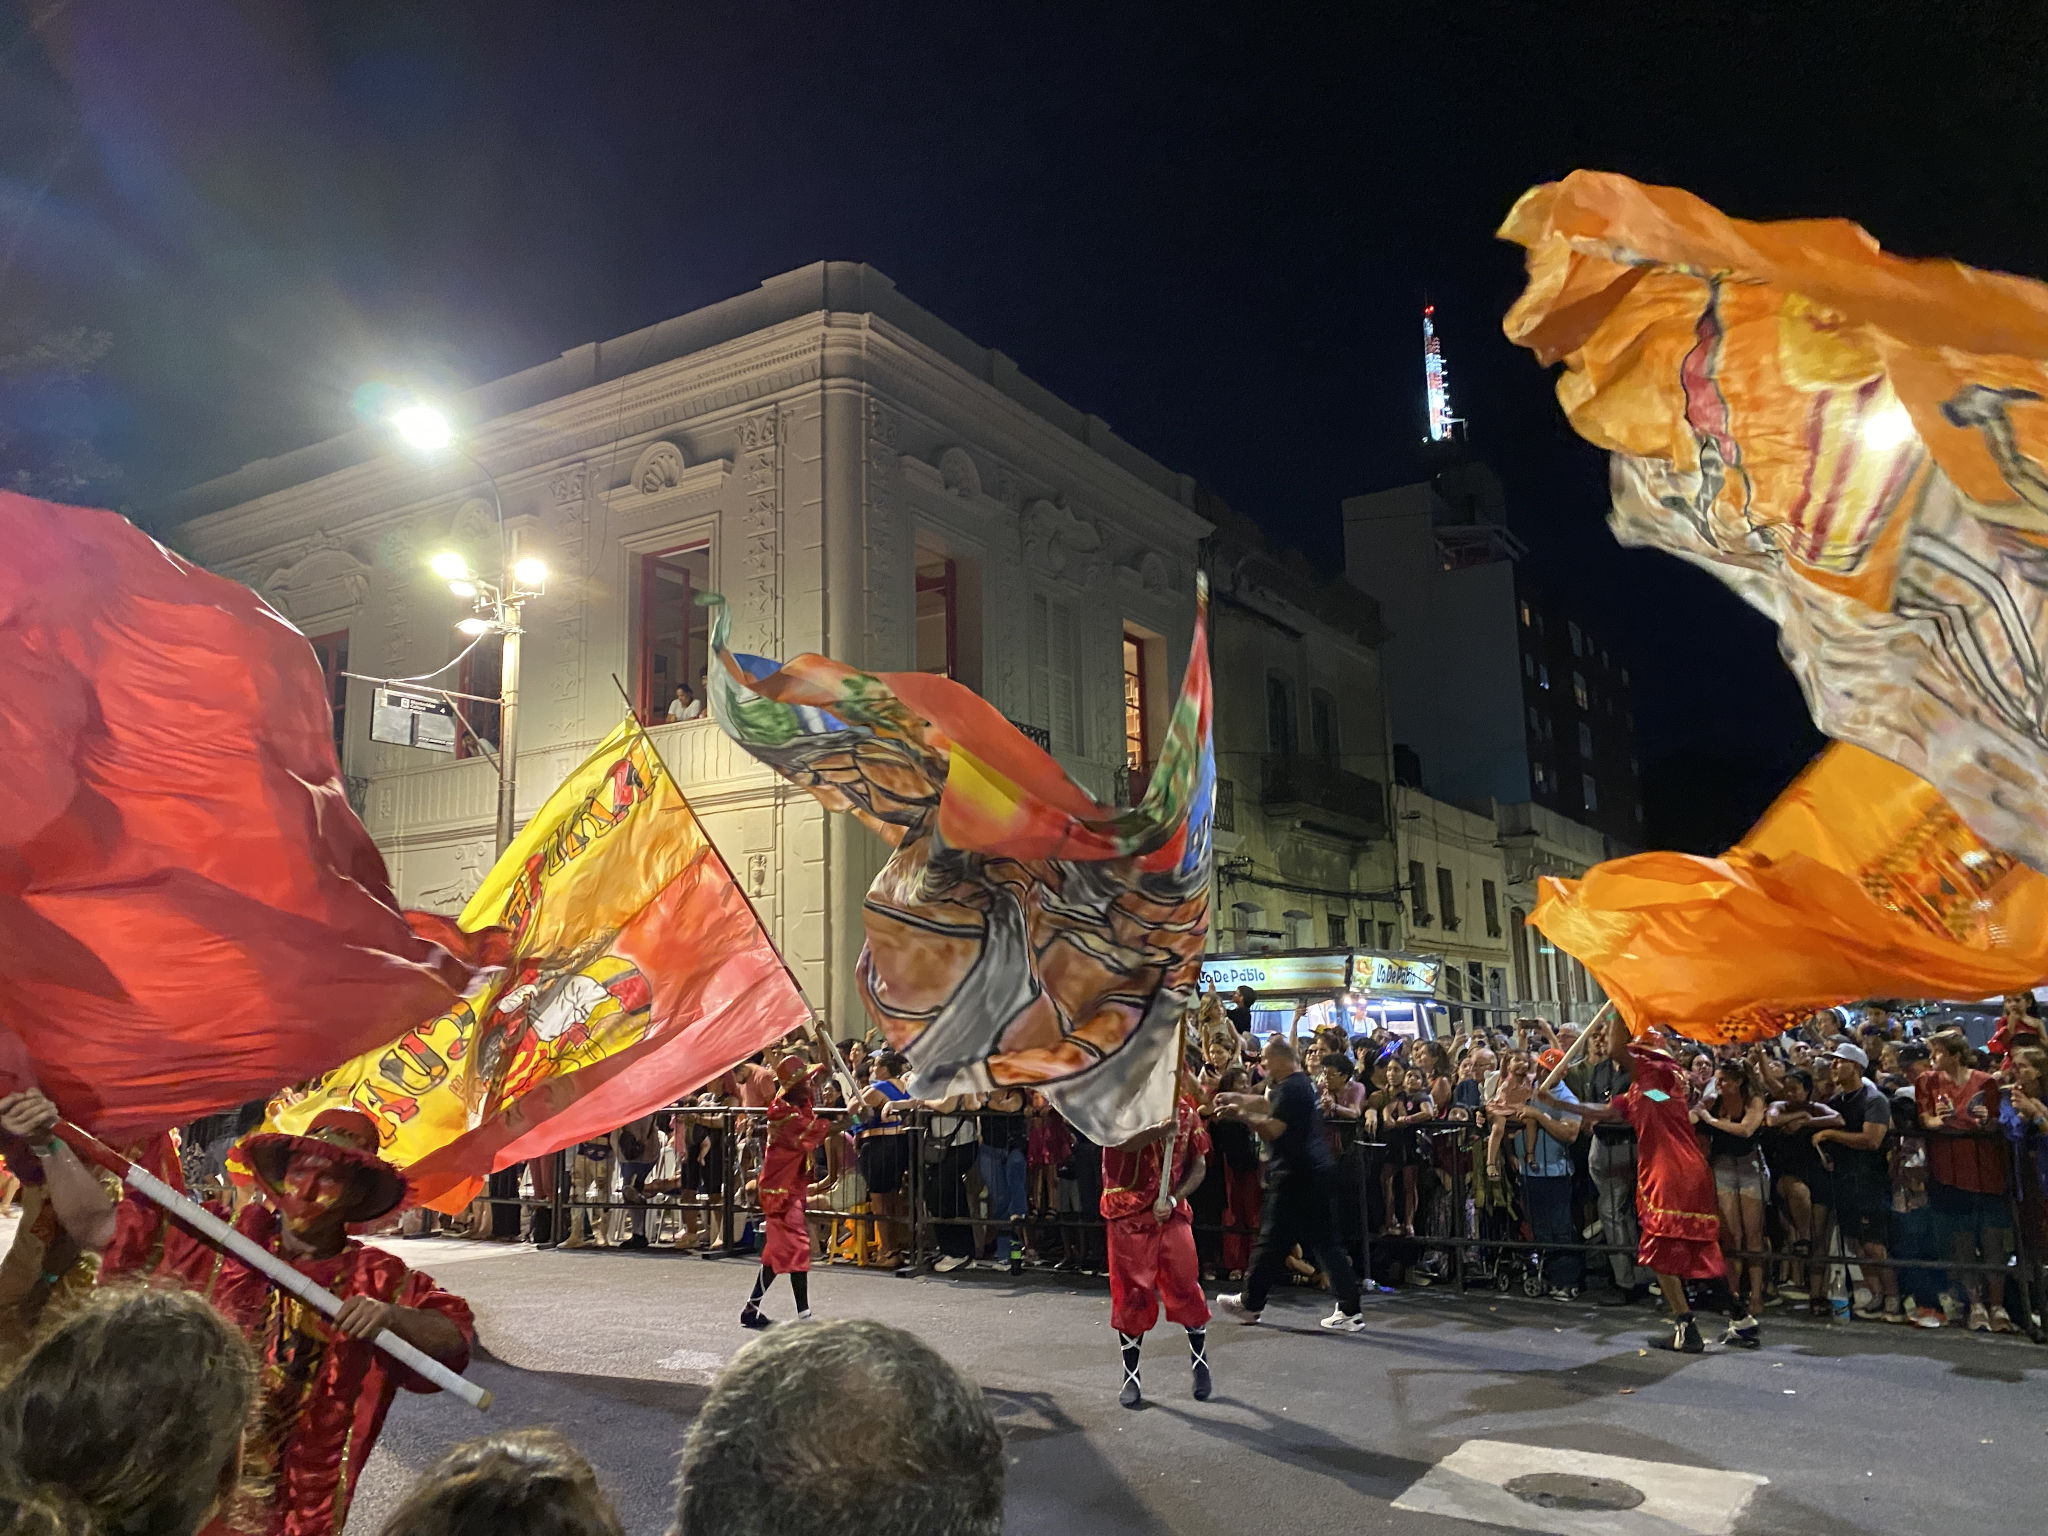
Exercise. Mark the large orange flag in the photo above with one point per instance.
(1860, 881)
(1856, 442)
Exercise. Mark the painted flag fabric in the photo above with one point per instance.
(1020, 934)
(1856, 442)
(190, 914)
(632, 972)
(1860, 881)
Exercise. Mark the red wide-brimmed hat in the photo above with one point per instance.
(339, 1140)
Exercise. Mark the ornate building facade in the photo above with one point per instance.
(856, 477)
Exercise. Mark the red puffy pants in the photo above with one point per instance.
(1150, 1264)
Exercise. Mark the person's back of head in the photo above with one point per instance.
(842, 1428)
(528, 1482)
(126, 1420)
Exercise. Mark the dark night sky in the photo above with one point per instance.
(1213, 227)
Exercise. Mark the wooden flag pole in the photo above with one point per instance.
(262, 1260)
(1577, 1046)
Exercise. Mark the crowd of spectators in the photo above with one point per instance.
(1864, 1166)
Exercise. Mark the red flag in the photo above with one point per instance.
(190, 914)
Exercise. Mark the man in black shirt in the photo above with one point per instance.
(1240, 1010)
(1298, 1190)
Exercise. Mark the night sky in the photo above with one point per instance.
(1214, 227)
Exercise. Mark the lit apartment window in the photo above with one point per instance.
(1447, 898)
(1525, 615)
(1585, 741)
(1134, 703)
(1579, 694)
(1418, 894)
(1587, 789)
(332, 651)
(1541, 776)
(673, 640)
(1489, 901)
(1578, 638)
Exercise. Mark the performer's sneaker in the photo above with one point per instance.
(1233, 1307)
(750, 1318)
(1744, 1333)
(1340, 1321)
(1685, 1337)
(1132, 1394)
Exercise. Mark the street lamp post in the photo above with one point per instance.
(500, 605)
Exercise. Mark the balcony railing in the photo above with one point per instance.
(1323, 796)
(1037, 734)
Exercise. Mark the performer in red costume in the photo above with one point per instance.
(1676, 1211)
(325, 1389)
(1152, 1244)
(795, 1131)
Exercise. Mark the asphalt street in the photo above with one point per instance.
(1409, 1428)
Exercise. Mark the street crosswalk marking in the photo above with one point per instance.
(1471, 1484)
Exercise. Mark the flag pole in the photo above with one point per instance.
(262, 1260)
(1577, 1046)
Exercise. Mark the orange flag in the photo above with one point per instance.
(1860, 881)
(1856, 442)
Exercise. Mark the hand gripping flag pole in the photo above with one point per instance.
(266, 1263)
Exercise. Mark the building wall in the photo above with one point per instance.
(1571, 743)
(1444, 845)
(1453, 688)
(1536, 842)
(813, 448)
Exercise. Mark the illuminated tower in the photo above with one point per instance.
(1437, 388)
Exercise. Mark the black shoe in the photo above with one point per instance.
(1131, 1395)
(749, 1318)
(1684, 1338)
(635, 1241)
(1204, 1383)
(1744, 1333)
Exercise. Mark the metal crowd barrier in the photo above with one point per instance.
(729, 1210)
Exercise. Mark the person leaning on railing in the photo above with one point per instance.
(1967, 1174)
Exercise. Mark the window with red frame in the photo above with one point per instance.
(673, 632)
(481, 673)
(332, 651)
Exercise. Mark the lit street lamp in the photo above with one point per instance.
(498, 604)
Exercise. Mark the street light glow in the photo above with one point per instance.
(449, 566)
(530, 572)
(462, 588)
(423, 428)
(475, 626)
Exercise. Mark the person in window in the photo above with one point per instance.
(685, 705)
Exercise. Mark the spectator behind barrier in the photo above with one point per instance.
(528, 1482)
(842, 1428)
(126, 1421)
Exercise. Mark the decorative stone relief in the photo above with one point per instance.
(958, 474)
(476, 523)
(1009, 490)
(326, 578)
(1153, 573)
(659, 468)
(472, 861)
(886, 585)
(757, 605)
(1060, 542)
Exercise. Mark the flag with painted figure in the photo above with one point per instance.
(1856, 442)
(626, 971)
(1021, 933)
(1859, 881)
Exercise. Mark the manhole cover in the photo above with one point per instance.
(1566, 1490)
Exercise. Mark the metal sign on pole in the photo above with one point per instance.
(413, 717)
